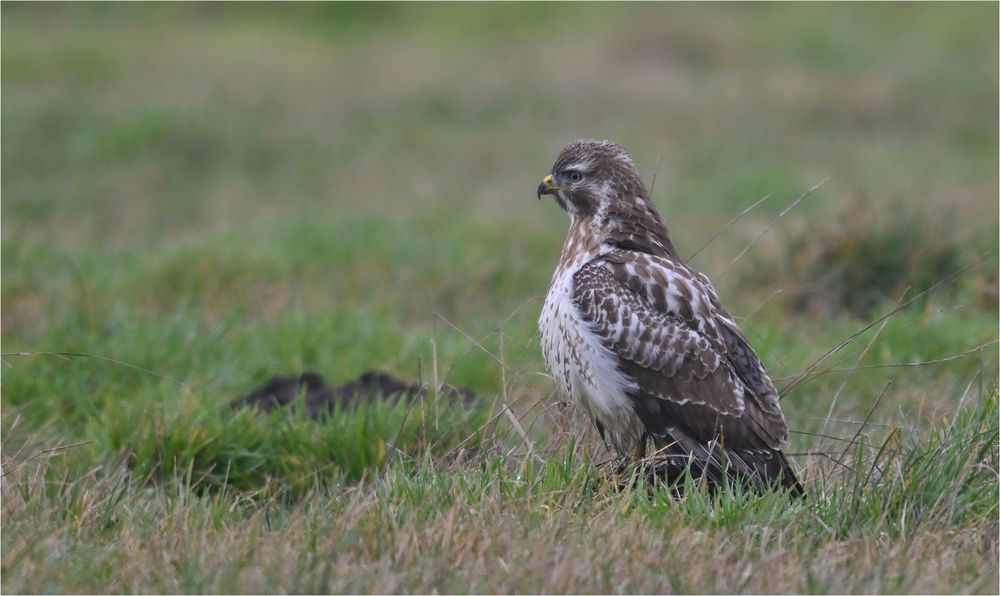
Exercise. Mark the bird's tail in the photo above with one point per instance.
(678, 457)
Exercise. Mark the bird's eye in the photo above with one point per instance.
(575, 176)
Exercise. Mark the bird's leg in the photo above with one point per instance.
(630, 462)
(639, 450)
(631, 459)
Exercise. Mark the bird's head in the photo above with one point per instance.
(596, 182)
(590, 174)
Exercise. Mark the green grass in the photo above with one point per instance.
(500, 523)
(197, 198)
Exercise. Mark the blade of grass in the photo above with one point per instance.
(770, 225)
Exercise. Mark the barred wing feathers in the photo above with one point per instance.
(700, 390)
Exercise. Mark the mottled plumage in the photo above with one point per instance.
(640, 341)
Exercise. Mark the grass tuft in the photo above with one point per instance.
(282, 453)
(866, 254)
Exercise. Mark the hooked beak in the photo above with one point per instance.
(547, 187)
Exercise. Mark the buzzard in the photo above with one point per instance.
(640, 341)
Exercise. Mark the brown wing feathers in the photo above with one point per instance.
(699, 388)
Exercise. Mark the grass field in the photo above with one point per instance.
(198, 197)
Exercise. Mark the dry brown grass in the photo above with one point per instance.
(375, 539)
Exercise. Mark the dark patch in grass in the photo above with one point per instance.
(322, 399)
(285, 454)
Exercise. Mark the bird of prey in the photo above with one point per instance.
(639, 340)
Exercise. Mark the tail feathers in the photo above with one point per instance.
(677, 456)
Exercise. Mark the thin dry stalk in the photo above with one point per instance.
(964, 354)
(773, 222)
(656, 170)
(520, 431)
(843, 384)
(68, 355)
(497, 330)
(436, 383)
(474, 342)
(867, 418)
(808, 373)
(729, 225)
(770, 298)
(11, 464)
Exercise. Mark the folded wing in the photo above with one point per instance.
(701, 391)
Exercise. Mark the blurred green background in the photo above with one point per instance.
(222, 192)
